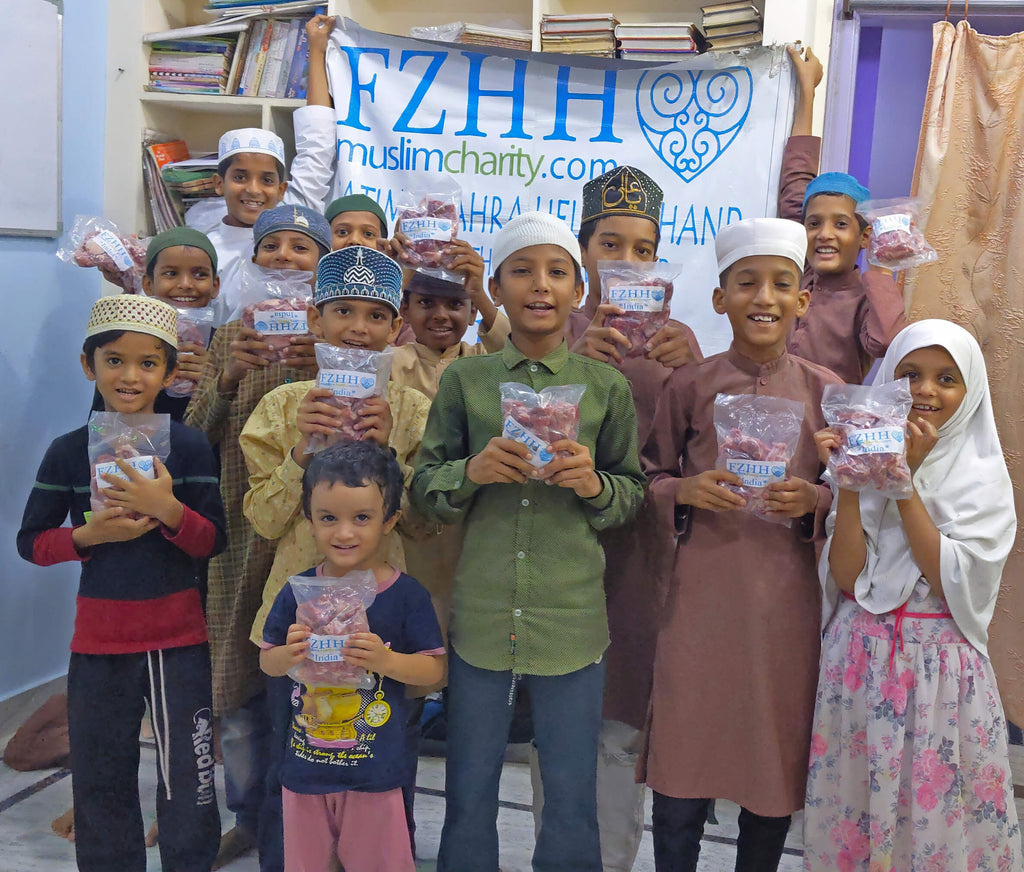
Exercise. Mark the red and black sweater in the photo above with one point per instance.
(141, 595)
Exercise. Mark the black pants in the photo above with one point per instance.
(107, 696)
(271, 830)
(679, 823)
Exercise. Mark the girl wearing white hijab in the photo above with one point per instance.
(909, 766)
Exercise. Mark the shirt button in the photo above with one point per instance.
(518, 613)
(762, 381)
(526, 502)
(533, 367)
(521, 555)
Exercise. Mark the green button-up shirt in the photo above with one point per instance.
(529, 595)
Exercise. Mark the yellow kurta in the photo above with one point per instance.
(273, 504)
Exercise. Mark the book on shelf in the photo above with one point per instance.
(737, 17)
(737, 41)
(653, 43)
(159, 150)
(666, 56)
(656, 29)
(213, 29)
(240, 8)
(731, 6)
(298, 72)
(725, 30)
(193, 177)
(587, 23)
(198, 65)
(579, 34)
(260, 62)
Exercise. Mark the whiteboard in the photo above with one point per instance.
(30, 107)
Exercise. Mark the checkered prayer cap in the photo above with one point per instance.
(358, 271)
(135, 313)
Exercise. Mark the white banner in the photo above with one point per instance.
(523, 131)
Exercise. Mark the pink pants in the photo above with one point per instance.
(367, 832)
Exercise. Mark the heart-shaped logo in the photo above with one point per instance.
(691, 116)
(657, 296)
(367, 382)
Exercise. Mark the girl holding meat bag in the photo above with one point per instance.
(909, 747)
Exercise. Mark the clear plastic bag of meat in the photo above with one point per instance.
(871, 421)
(644, 292)
(135, 439)
(430, 221)
(354, 375)
(896, 239)
(332, 608)
(95, 241)
(274, 302)
(757, 437)
(194, 325)
(539, 419)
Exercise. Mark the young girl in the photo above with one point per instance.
(909, 764)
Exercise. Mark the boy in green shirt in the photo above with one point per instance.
(529, 598)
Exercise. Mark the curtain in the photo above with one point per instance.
(970, 173)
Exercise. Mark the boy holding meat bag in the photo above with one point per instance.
(529, 600)
(738, 643)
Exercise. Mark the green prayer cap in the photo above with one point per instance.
(357, 203)
(180, 236)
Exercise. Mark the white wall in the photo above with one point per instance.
(42, 390)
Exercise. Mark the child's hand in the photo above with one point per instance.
(314, 417)
(375, 420)
(192, 358)
(301, 352)
(146, 496)
(468, 263)
(670, 346)
(111, 525)
(921, 438)
(318, 32)
(369, 651)
(826, 441)
(574, 469)
(600, 342)
(705, 491)
(248, 351)
(502, 461)
(806, 67)
(397, 246)
(792, 498)
(281, 658)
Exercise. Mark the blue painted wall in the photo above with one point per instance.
(42, 390)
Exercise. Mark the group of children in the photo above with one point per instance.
(663, 636)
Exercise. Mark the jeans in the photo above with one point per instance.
(271, 822)
(679, 825)
(566, 721)
(245, 744)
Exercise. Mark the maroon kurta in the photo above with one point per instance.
(737, 650)
(854, 316)
(633, 559)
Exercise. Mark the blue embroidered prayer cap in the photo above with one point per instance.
(251, 140)
(358, 271)
(837, 183)
(298, 218)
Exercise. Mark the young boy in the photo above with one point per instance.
(357, 220)
(343, 798)
(139, 632)
(529, 603)
(738, 640)
(237, 376)
(853, 316)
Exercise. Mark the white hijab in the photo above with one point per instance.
(962, 482)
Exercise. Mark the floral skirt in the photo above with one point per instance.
(909, 768)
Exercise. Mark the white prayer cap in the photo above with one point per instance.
(250, 139)
(754, 236)
(533, 228)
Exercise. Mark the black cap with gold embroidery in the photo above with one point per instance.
(624, 190)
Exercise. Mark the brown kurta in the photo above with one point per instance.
(635, 558)
(238, 574)
(854, 316)
(737, 650)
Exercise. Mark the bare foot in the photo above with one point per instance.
(234, 843)
(64, 826)
(152, 835)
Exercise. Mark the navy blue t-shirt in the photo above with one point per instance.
(355, 739)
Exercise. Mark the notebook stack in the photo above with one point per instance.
(732, 25)
(665, 42)
(192, 179)
(498, 37)
(592, 34)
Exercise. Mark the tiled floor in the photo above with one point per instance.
(29, 801)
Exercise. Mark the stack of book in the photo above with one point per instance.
(663, 42)
(732, 25)
(192, 179)
(264, 56)
(159, 150)
(579, 34)
(191, 66)
(499, 37)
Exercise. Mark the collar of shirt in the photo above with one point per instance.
(834, 284)
(431, 357)
(553, 362)
(752, 367)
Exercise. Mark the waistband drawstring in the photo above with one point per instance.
(900, 614)
(163, 744)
